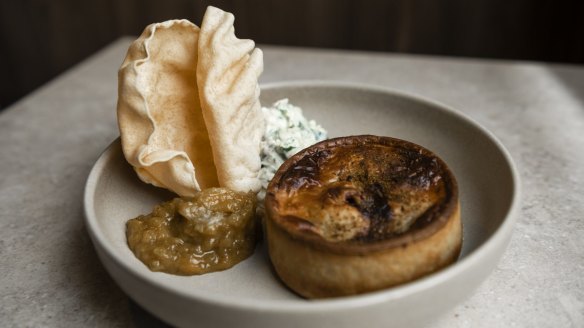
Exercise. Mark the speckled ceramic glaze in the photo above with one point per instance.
(250, 295)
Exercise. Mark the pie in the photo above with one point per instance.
(361, 213)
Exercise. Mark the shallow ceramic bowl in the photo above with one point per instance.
(249, 294)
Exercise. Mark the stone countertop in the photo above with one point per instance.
(51, 276)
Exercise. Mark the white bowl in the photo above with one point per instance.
(249, 294)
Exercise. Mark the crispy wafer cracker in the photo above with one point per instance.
(159, 113)
(188, 106)
(227, 74)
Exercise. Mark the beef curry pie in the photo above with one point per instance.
(361, 213)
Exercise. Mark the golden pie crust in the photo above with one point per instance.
(361, 213)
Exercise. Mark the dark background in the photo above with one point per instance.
(41, 38)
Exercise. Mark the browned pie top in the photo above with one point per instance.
(362, 193)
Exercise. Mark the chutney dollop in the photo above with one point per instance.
(212, 231)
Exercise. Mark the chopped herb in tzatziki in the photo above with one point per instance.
(287, 132)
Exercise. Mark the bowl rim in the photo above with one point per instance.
(498, 237)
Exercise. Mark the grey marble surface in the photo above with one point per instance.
(50, 275)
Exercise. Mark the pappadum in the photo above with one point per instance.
(168, 136)
(227, 74)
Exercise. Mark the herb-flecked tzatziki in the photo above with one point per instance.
(287, 132)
